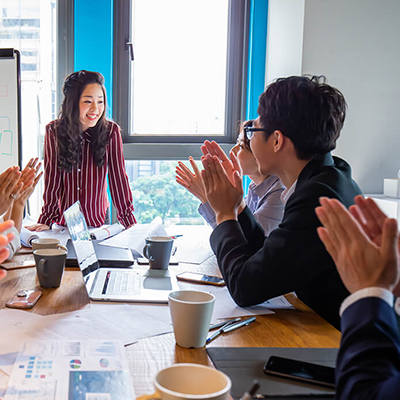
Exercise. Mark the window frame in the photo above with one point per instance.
(65, 45)
(169, 147)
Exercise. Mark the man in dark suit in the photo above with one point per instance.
(299, 121)
(366, 256)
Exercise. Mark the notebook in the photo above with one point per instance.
(245, 364)
(113, 284)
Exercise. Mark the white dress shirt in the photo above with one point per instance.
(383, 294)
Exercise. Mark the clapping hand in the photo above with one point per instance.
(370, 217)
(4, 240)
(30, 177)
(10, 186)
(189, 180)
(214, 149)
(225, 197)
(364, 248)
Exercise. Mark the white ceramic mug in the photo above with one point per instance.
(191, 312)
(192, 381)
(47, 243)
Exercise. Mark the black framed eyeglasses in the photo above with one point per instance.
(249, 131)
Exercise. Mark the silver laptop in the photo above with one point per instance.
(113, 284)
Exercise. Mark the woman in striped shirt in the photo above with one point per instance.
(80, 148)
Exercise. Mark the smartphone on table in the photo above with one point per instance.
(24, 299)
(200, 278)
(301, 371)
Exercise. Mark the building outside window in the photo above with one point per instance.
(30, 27)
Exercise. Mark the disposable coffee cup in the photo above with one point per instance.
(50, 264)
(191, 312)
(47, 243)
(158, 251)
(192, 381)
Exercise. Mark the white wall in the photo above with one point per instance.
(284, 38)
(356, 45)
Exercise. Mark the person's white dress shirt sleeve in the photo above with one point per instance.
(367, 292)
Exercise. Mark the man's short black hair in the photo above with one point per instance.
(308, 111)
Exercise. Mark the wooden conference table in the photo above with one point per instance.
(286, 328)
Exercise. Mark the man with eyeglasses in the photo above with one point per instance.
(299, 121)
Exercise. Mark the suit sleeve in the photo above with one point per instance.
(52, 180)
(119, 184)
(368, 364)
(256, 268)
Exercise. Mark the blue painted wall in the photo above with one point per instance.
(257, 53)
(256, 61)
(93, 38)
(93, 43)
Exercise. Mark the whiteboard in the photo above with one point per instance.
(10, 109)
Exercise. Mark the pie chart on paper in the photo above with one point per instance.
(75, 364)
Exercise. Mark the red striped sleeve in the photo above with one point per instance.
(119, 184)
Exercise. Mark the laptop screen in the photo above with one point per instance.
(81, 240)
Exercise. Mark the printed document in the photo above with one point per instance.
(70, 370)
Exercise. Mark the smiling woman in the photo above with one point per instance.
(91, 106)
(81, 148)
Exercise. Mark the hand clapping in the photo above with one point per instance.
(366, 253)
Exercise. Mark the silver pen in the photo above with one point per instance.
(216, 326)
(238, 325)
(220, 330)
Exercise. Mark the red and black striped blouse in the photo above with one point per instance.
(86, 183)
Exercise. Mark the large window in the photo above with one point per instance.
(179, 73)
(30, 27)
(178, 79)
(156, 194)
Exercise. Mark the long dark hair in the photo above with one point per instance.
(69, 127)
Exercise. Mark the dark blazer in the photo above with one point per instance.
(291, 258)
(368, 364)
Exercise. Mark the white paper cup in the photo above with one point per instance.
(192, 381)
(191, 312)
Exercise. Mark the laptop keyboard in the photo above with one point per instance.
(124, 282)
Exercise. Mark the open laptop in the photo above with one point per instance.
(113, 284)
(111, 257)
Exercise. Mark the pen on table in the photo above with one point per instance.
(249, 394)
(216, 326)
(175, 236)
(220, 330)
(232, 327)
